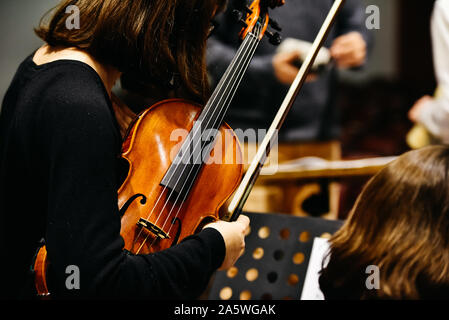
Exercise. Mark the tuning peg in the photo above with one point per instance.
(274, 37)
(238, 16)
(247, 10)
(274, 24)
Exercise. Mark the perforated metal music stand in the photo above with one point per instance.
(275, 261)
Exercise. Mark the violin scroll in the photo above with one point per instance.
(256, 14)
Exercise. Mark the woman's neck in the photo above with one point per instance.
(108, 75)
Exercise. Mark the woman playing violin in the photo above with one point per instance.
(61, 132)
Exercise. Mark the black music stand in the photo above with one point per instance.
(275, 261)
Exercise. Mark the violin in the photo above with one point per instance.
(173, 188)
(163, 201)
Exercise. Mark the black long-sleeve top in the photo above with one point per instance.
(59, 175)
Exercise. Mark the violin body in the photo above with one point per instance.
(149, 148)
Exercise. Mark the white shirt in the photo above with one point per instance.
(435, 115)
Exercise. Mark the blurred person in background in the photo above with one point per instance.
(432, 113)
(312, 126)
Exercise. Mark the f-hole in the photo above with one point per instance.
(131, 200)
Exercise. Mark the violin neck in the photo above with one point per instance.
(187, 164)
(225, 90)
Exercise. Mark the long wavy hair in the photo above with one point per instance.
(399, 223)
(150, 40)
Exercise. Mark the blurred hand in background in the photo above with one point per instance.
(349, 50)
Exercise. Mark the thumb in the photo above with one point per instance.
(244, 222)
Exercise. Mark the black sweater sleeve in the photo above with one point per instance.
(80, 143)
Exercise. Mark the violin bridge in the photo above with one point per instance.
(158, 232)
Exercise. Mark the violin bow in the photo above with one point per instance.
(235, 207)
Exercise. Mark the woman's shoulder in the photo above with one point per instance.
(69, 77)
(50, 71)
(62, 92)
(62, 84)
(55, 84)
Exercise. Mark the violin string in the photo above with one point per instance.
(208, 117)
(239, 70)
(229, 97)
(212, 102)
(226, 75)
(246, 60)
(213, 110)
(221, 113)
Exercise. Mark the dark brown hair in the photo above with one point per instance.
(149, 39)
(400, 223)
